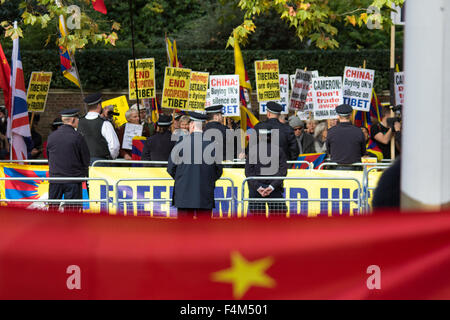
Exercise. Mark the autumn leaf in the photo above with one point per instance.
(351, 20)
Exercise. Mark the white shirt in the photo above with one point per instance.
(108, 133)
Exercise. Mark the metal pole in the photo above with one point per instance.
(391, 81)
(130, 5)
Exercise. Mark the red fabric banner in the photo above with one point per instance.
(406, 255)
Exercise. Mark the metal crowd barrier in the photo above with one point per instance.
(38, 161)
(366, 187)
(357, 164)
(49, 201)
(232, 199)
(284, 200)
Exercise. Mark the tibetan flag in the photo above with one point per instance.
(172, 56)
(239, 67)
(375, 107)
(379, 256)
(99, 6)
(155, 109)
(315, 158)
(68, 68)
(373, 149)
(137, 147)
(248, 123)
(5, 76)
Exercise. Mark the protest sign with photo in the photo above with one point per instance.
(327, 95)
(38, 91)
(131, 130)
(399, 87)
(145, 76)
(198, 90)
(224, 90)
(357, 87)
(176, 88)
(300, 90)
(315, 74)
(120, 105)
(267, 80)
(284, 96)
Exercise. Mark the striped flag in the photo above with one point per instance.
(315, 158)
(172, 55)
(5, 79)
(18, 124)
(67, 67)
(156, 110)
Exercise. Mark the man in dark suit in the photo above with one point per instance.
(286, 134)
(305, 140)
(255, 166)
(195, 175)
(158, 146)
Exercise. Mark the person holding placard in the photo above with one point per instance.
(345, 142)
(287, 137)
(158, 146)
(128, 131)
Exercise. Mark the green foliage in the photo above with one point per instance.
(107, 69)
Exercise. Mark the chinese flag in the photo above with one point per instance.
(99, 6)
(5, 74)
(67, 256)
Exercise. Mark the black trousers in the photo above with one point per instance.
(259, 207)
(72, 191)
(194, 213)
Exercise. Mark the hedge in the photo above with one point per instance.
(107, 69)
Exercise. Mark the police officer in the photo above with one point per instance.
(68, 156)
(100, 135)
(159, 146)
(195, 178)
(287, 137)
(215, 121)
(345, 142)
(257, 167)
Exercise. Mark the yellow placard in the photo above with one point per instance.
(38, 91)
(176, 88)
(145, 75)
(198, 90)
(267, 80)
(120, 106)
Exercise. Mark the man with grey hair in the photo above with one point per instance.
(195, 176)
(305, 141)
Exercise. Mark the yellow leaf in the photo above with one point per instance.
(351, 19)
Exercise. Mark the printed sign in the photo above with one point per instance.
(176, 88)
(131, 130)
(145, 76)
(357, 87)
(300, 90)
(198, 90)
(284, 96)
(224, 90)
(315, 74)
(327, 95)
(38, 91)
(267, 80)
(120, 106)
(399, 87)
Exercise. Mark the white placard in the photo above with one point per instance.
(357, 87)
(300, 90)
(327, 95)
(131, 130)
(399, 87)
(224, 90)
(315, 74)
(284, 94)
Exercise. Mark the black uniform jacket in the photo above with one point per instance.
(226, 142)
(194, 183)
(287, 137)
(158, 147)
(254, 169)
(346, 143)
(68, 153)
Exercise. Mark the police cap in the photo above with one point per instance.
(93, 99)
(57, 122)
(69, 113)
(344, 110)
(274, 107)
(178, 116)
(195, 116)
(214, 109)
(164, 121)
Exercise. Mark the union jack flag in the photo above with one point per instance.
(19, 126)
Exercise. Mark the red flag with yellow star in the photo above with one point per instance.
(65, 256)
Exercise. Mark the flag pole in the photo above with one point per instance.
(130, 6)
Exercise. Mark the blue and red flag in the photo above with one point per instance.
(373, 149)
(315, 158)
(137, 147)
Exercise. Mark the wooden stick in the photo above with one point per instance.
(32, 119)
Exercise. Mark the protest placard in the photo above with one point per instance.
(327, 95)
(224, 90)
(120, 105)
(315, 74)
(267, 80)
(284, 96)
(399, 87)
(300, 90)
(131, 130)
(198, 90)
(208, 102)
(145, 75)
(357, 87)
(176, 88)
(38, 91)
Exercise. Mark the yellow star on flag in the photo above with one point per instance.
(244, 274)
